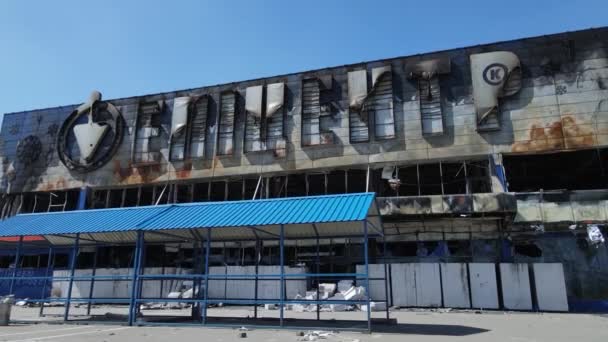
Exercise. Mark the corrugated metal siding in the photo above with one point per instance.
(198, 128)
(226, 130)
(430, 106)
(314, 209)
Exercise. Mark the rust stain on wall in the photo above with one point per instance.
(185, 171)
(137, 174)
(563, 134)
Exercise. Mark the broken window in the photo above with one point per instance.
(225, 143)
(408, 180)
(296, 185)
(251, 184)
(147, 136)
(179, 127)
(454, 178)
(426, 73)
(375, 103)
(317, 110)
(235, 189)
(430, 179)
(201, 192)
(265, 116)
(277, 186)
(116, 197)
(315, 184)
(161, 193)
(218, 191)
(336, 182)
(183, 193)
(57, 201)
(495, 75)
(478, 176)
(356, 180)
(198, 126)
(578, 170)
(146, 196)
(99, 199)
(130, 197)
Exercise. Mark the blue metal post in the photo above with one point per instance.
(282, 255)
(49, 268)
(366, 256)
(207, 252)
(16, 265)
(135, 274)
(72, 271)
(82, 198)
(92, 285)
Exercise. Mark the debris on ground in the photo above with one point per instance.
(316, 335)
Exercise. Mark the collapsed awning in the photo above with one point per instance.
(302, 217)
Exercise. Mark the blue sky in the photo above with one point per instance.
(55, 52)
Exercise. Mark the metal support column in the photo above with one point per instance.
(49, 268)
(257, 266)
(366, 256)
(386, 280)
(72, 271)
(135, 274)
(92, 285)
(318, 271)
(282, 256)
(16, 265)
(207, 252)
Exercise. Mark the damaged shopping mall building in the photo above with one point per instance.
(486, 162)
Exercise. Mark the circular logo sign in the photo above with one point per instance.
(91, 135)
(495, 73)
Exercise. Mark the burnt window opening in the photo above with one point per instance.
(265, 111)
(183, 193)
(408, 181)
(403, 249)
(218, 191)
(201, 192)
(357, 181)
(161, 194)
(27, 202)
(317, 111)
(251, 184)
(460, 248)
(148, 133)
(130, 196)
(336, 182)
(430, 179)
(277, 186)
(296, 185)
(146, 196)
(235, 190)
(454, 178)
(371, 106)
(578, 170)
(225, 143)
(99, 199)
(61, 260)
(478, 176)
(199, 112)
(115, 200)
(528, 249)
(315, 184)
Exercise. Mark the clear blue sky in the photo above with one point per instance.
(55, 52)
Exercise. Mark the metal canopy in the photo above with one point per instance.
(302, 217)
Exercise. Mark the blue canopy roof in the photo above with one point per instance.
(251, 214)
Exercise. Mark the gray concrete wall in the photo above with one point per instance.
(559, 110)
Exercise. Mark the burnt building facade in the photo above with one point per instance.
(491, 153)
